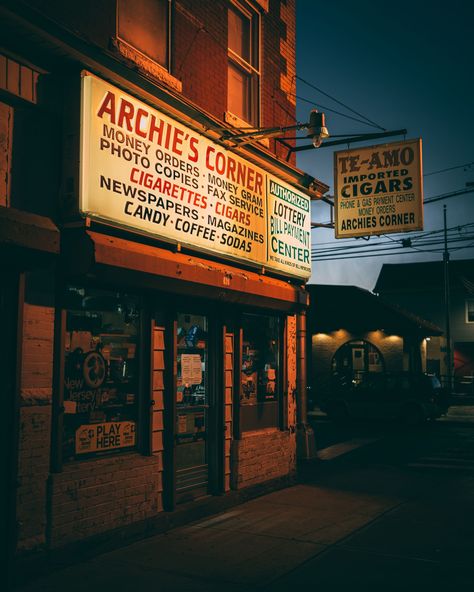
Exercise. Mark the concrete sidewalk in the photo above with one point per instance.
(247, 547)
(347, 527)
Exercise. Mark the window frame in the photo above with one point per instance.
(143, 432)
(167, 67)
(468, 302)
(252, 68)
(280, 400)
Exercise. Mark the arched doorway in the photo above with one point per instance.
(354, 359)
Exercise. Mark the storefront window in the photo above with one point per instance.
(192, 395)
(260, 371)
(192, 405)
(100, 373)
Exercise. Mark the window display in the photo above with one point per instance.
(191, 393)
(192, 406)
(260, 366)
(100, 372)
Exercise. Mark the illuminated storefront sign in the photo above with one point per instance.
(379, 189)
(145, 171)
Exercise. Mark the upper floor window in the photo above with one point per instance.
(243, 73)
(145, 25)
(470, 311)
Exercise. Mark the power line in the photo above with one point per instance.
(439, 197)
(400, 245)
(320, 106)
(340, 103)
(403, 243)
(460, 166)
(317, 256)
(383, 250)
(448, 195)
(397, 252)
(343, 244)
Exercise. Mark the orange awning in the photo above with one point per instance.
(146, 266)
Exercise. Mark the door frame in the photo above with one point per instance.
(215, 436)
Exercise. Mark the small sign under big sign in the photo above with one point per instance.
(105, 436)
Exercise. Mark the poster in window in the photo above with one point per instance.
(191, 368)
(101, 437)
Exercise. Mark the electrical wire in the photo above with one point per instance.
(448, 195)
(396, 252)
(395, 244)
(340, 103)
(460, 166)
(389, 249)
(320, 106)
(454, 234)
(413, 237)
(318, 255)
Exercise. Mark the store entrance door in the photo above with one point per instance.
(192, 407)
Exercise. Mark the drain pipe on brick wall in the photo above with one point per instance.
(305, 440)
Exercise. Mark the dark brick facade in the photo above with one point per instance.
(73, 501)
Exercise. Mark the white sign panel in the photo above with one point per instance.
(145, 171)
(379, 189)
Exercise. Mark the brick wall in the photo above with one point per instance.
(279, 70)
(270, 453)
(35, 425)
(200, 53)
(262, 456)
(91, 497)
(88, 497)
(325, 345)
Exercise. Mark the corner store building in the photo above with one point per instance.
(159, 271)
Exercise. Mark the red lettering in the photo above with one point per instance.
(177, 141)
(241, 170)
(220, 163)
(154, 128)
(108, 106)
(209, 150)
(138, 123)
(192, 146)
(133, 174)
(168, 135)
(231, 169)
(126, 114)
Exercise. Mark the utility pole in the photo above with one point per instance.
(447, 306)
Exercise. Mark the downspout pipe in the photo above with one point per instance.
(305, 440)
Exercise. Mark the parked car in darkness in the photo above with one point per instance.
(412, 398)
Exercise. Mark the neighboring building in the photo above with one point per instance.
(420, 287)
(352, 332)
(154, 268)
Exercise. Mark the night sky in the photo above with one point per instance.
(402, 65)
